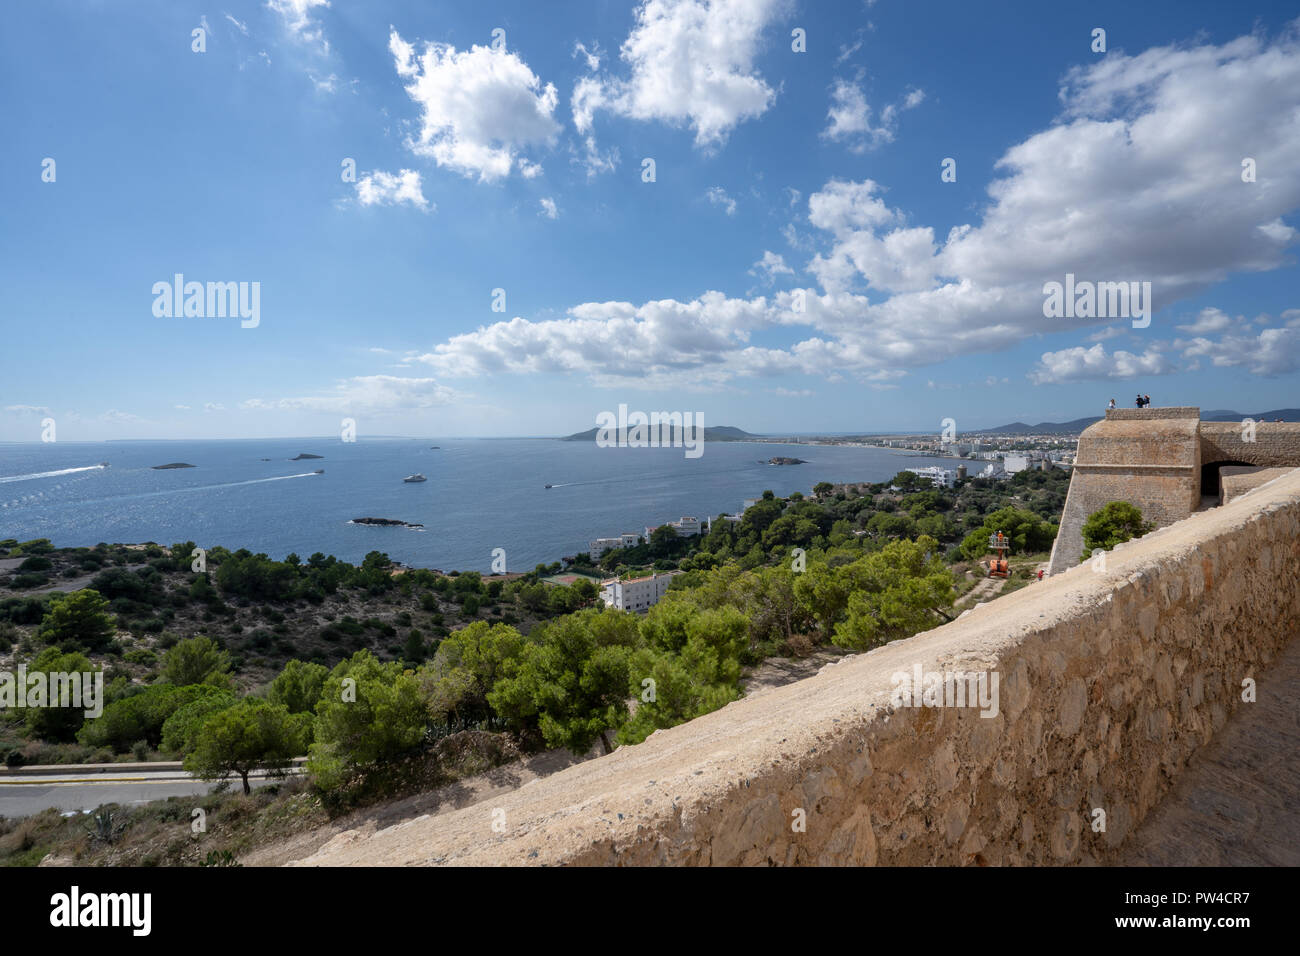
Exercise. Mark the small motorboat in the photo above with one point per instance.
(550, 486)
(103, 464)
(411, 479)
(319, 471)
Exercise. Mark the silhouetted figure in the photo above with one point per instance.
(1146, 401)
(1139, 401)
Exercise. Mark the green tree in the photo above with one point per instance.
(140, 716)
(823, 594)
(197, 660)
(79, 620)
(369, 712)
(415, 650)
(1114, 523)
(898, 591)
(180, 731)
(59, 724)
(465, 667)
(701, 676)
(822, 489)
(1028, 533)
(573, 681)
(298, 686)
(248, 736)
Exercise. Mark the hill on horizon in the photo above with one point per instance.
(1079, 424)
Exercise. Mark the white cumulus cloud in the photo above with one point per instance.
(481, 108)
(688, 62)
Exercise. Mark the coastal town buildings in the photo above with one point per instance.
(636, 594)
(939, 477)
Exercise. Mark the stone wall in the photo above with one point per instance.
(1154, 458)
(1148, 457)
(1276, 444)
(1108, 682)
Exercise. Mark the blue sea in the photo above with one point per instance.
(481, 494)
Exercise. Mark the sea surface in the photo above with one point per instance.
(481, 494)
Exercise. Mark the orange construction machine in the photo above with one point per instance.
(998, 563)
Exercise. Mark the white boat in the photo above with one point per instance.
(414, 478)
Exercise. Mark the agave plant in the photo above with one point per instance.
(104, 827)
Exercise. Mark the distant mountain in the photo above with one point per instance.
(714, 433)
(1079, 424)
(1042, 428)
(1222, 415)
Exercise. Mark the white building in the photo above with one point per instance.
(1014, 463)
(939, 477)
(598, 547)
(636, 594)
(687, 526)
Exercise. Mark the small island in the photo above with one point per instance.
(174, 464)
(780, 460)
(385, 522)
(302, 454)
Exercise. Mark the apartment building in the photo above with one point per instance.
(599, 546)
(939, 477)
(636, 594)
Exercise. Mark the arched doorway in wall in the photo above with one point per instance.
(1210, 476)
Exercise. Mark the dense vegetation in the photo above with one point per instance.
(248, 662)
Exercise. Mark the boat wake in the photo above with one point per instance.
(34, 499)
(50, 474)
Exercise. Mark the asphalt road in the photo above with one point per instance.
(72, 792)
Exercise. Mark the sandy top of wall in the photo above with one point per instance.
(1236, 480)
(678, 774)
(1149, 414)
(1146, 442)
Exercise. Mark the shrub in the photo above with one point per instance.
(196, 661)
(80, 619)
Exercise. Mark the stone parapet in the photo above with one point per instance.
(1108, 682)
(1148, 414)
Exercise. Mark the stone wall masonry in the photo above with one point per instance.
(1108, 683)
(1148, 457)
(1276, 444)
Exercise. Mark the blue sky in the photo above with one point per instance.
(519, 167)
